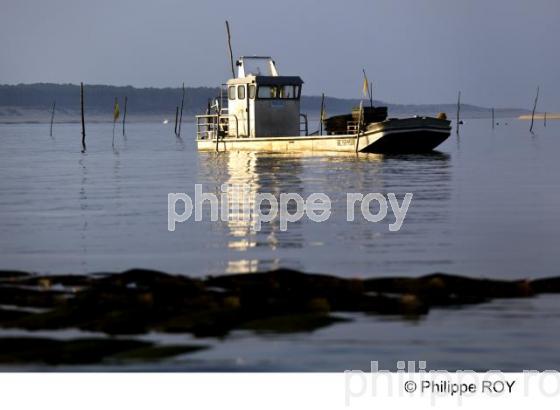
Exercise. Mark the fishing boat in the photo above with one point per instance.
(259, 112)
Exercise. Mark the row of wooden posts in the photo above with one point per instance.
(178, 116)
(459, 122)
(53, 109)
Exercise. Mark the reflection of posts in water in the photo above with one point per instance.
(117, 197)
(458, 113)
(83, 119)
(83, 199)
(115, 118)
(124, 116)
(176, 118)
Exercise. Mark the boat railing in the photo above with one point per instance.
(303, 124)
(352, 127)
(211, 126)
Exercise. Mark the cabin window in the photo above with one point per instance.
(290, 92)
(231, 92)
(241, 92)
(287, 91)
(252, 91)
(266, 91)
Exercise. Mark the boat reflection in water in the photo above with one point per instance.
(247, 174)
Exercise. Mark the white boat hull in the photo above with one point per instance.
(397, 135)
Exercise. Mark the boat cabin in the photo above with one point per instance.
(261, 103)
(264, 104)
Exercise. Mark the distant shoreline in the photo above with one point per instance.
(551, 116)
(32, 103)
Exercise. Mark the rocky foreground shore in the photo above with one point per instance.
(120, 306)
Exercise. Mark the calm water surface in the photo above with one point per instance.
(486, 204)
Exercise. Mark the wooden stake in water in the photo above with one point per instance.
(545, 119)
(493, 122)
(176, 118)
(181, 113)
(458, 112)
(52, 116)
(534, 108)
(322, 112)
(83, 119)
(116, 113)
(124, 116)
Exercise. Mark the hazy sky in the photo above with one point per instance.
(416, 51)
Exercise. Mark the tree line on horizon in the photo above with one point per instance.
(145, 101)
(100, 98)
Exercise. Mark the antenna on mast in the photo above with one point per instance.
(230, 51)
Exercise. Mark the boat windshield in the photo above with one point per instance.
(278, 92)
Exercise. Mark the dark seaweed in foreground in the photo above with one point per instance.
(140, 301)
(17, 350)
